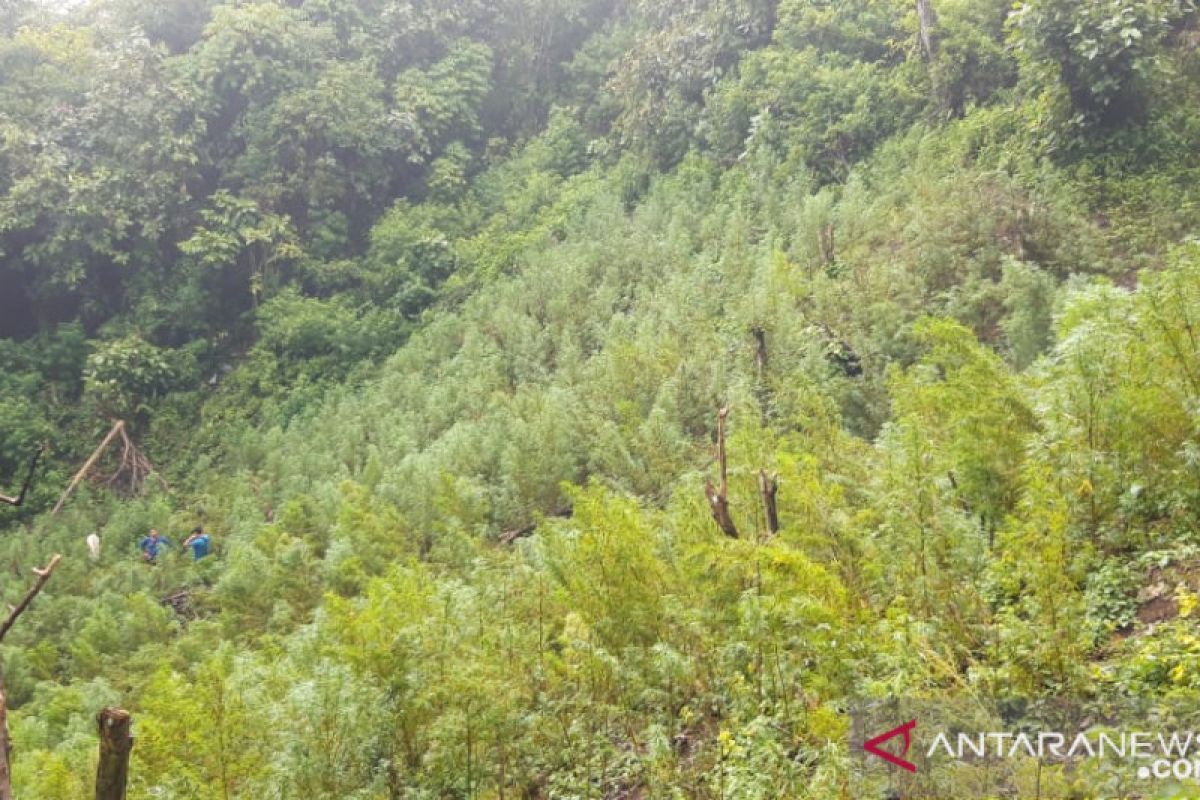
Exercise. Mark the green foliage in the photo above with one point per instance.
(1094, 61)
(123, 375)
(426, 310)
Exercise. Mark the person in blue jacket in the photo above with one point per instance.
(198, 541)
(151, 545)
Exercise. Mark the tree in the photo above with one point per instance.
(1100, 57)
(237, 238)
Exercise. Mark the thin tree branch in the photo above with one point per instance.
(20, 498)
(43, 575)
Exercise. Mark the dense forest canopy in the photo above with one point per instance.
(425, 312)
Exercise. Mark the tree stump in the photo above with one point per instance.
(768, 486)
(116, 742)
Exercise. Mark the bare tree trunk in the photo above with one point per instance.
(768, 486)
(927, 18)
(718, 499)
(115, 744)
(5, 749)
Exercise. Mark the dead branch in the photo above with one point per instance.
(718, 498)
(133, 468)
(180, 601)
(511, 535)
(43, 575)
(116, 742)
(20, 498)
(768, 487)
(117, 427)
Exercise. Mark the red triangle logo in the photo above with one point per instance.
(905, 730)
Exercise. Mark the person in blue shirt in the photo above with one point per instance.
(151, 545)
(198, 541)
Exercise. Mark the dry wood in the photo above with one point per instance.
(43, 575)
(510, 536)
(768, 486)
(20, 498)
(116, 742)
(117, 427)
(718, 498)
(133, 468)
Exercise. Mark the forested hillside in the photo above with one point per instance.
(436, 314)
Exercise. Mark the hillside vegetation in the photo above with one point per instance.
(426, 311)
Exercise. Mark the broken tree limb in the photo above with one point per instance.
(117, 427)
(718, 498)
(116, 742)
(5, 750)
(43, 575)
(511, 535)
(768, 487)
(20, 498)
(133, 468)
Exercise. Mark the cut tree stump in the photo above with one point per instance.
(116, 742)
(768, 486)
(718, 497)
